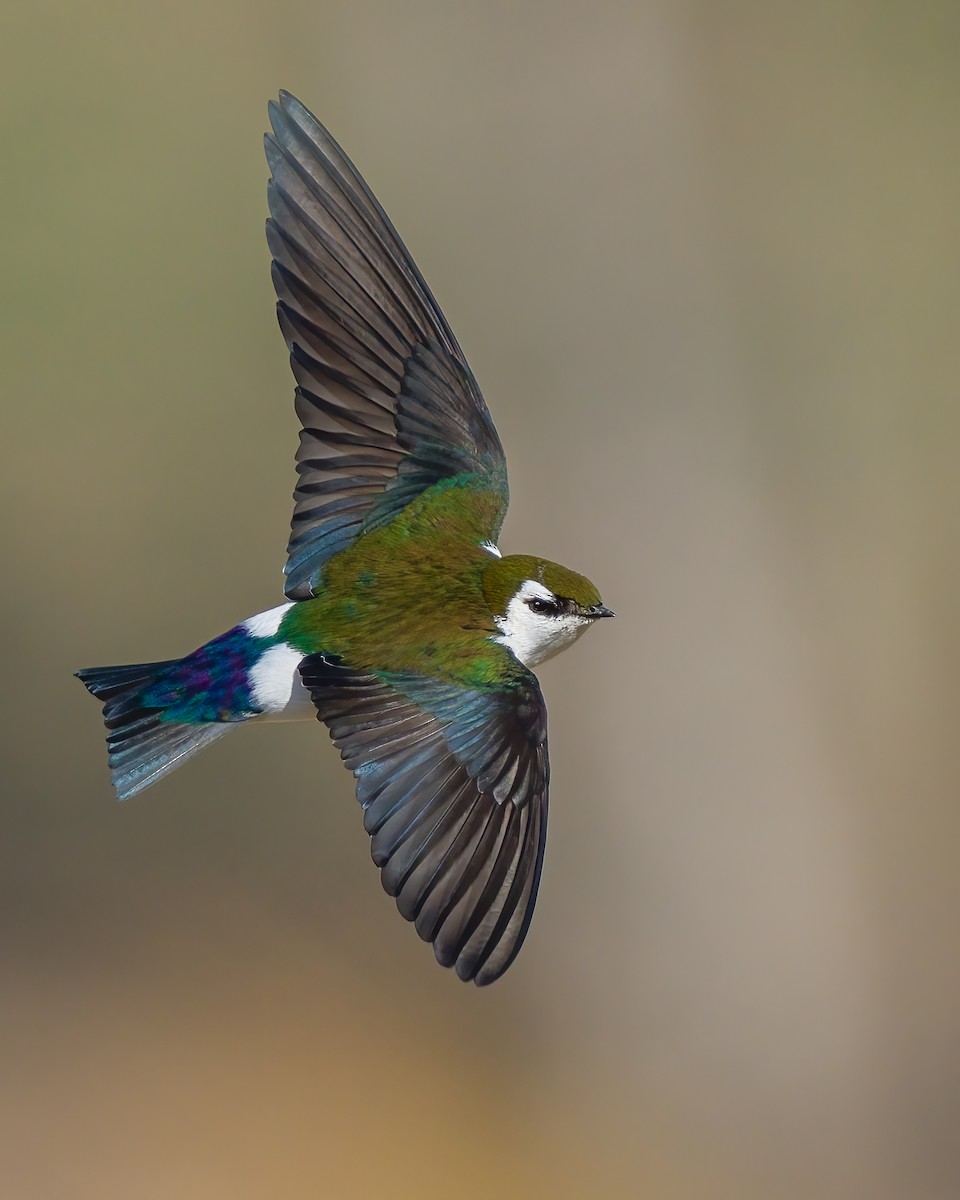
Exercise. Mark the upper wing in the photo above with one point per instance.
(388, 404)
(453, 784)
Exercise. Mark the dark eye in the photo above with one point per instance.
(547, 608)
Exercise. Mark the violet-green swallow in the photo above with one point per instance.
(405, 631)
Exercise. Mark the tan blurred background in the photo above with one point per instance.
(704, 260)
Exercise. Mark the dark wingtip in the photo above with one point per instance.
(286, 114)
(293, 108)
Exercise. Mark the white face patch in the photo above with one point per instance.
(491, 548)
(533, 637)
(276, 686)
(267, 623)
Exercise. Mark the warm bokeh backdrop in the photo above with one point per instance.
(704, 259)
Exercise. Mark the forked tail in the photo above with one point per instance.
(145, 741)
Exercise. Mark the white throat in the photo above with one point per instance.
(534, 637)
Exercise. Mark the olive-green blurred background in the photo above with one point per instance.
(704, 260)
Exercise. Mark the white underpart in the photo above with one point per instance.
(276, 686)
(274, 679)
(267, 623)
(491, 548)
(534, 637)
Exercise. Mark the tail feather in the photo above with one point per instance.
(143, 746)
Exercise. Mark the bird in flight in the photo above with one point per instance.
(405, 630)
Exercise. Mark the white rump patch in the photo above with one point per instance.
(491, 549)
(266, 624)
(534, 637)
(276, 686)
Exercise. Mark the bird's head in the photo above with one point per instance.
(539, 606)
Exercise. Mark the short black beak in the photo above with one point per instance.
(597, 610)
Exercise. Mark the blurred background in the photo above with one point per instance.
(704, 261)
